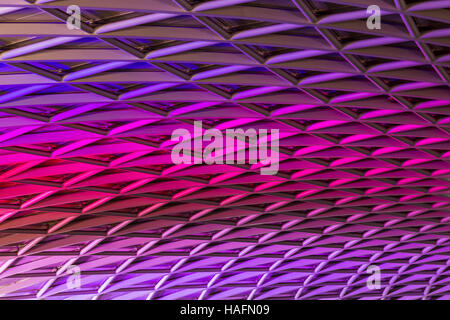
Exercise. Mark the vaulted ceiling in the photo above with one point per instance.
(86, 177)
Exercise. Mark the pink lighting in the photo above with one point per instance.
(90, 190)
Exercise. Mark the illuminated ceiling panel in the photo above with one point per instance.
(87, 181)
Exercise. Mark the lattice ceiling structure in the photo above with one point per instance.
(86, 177)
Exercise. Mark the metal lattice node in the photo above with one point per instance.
(86, 177)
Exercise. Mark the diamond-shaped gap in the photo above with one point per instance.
(156, 230)
(182, 22)
(219, 54)
(96, 18)
(179, 21)
(299, 278)
(90, 17)
(260, 124)
(190, 88)
(420, 73)
(5, 89)
(230, 89)
(184, 87)
(112, 145)
(163, 267)
(436, 150)
(369, 61)
(9, 43)
(256, 75)
(70, 198)
(196, 2)
(43, 112)
(146, 45)
(235, 25)
(393, 82)
(74, 66)
(50, 134)
(386, 126)
(403, 51)
(408, 50)
(52, 267)
(435, 92)
(44, 164)
(58, 110)
(345, 84)
(331, 93)
(14, 202)
(209, 113)
(346, 37)
(266, 51)
(5, 184)
(240, 75)
(301, 31)
(105, 158)
(168, 194)
(416, 101)
(446, 70)
(355, 112)
(10, 69)
(370, 103)
(46, 245)
(410, 2)
(121, 88)
(84, 43)
(136, 67)
(271, 107)
(331, 62)
(324, 8)
(43, 147)
(437, 111)
(332, 136)
(47, 68)
(112, 88)
(288, 41)
(307, 114)
(425, 25)
(150, 282)
(166, 106)
(394, 22)
(27, 14)
(191, 68)
(287, 95)
(269, 4)
(214, 122)
(188, 229)
(157, 107)
(438, 50)
(443, 121)
(296, 142)
(40, 110)
(157, 168)
(50, 178)
(300, 74)
(416, 134)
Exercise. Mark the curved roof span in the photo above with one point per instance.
(88, 187)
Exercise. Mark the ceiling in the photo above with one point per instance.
(86, 177)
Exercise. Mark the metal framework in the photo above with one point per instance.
(86, 177)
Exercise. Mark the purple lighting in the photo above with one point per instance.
(94, 207)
